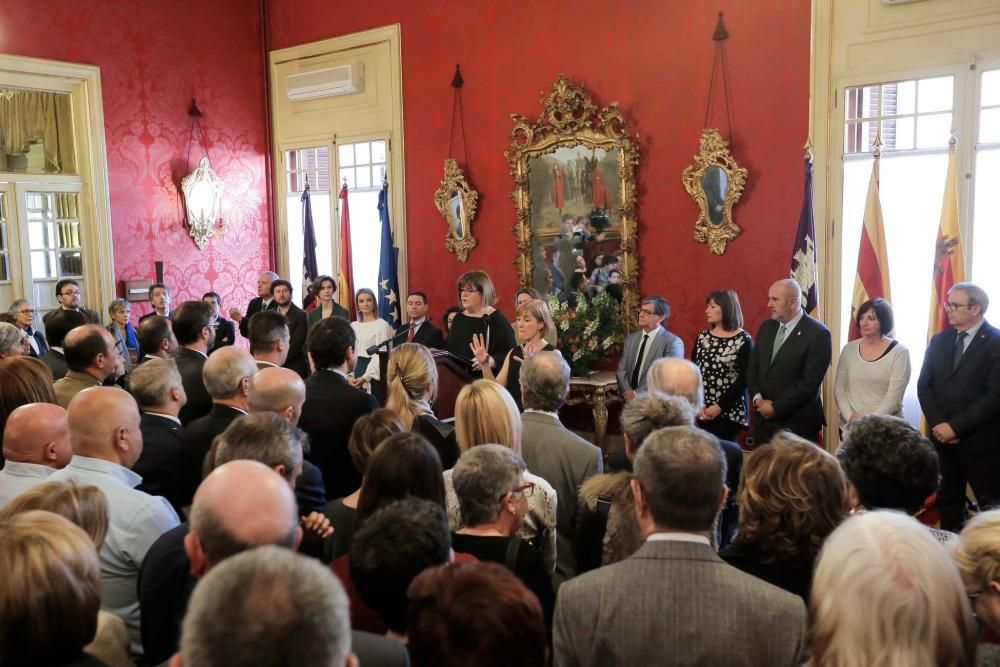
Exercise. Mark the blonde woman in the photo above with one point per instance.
(887, 593)
(478, 297)
(412, 379)
(485, 414)
(533, 322)
(978, 556)
(370, 330)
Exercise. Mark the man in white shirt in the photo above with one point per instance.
(35, 444)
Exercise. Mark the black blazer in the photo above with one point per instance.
(793, 380)
(43, 346)
(56, 361)
(165, 585)
(441, 435)
(427, 335)
(160, 462)
(968, 399)
(298, 327)
(255, 306)
(190, 364)
(225, 334)
(328, 415)
(197, 440)
(310, 494)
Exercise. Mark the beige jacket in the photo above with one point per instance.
(622, 537)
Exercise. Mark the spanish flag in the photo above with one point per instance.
(345, 279)
(949, 260)
(872, 279)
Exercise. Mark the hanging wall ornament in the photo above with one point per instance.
(455, 199)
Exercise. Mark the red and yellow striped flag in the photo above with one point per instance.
(872, 278)
(345, 277)
(949, 260)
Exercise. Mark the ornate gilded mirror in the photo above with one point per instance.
(574, 189)
(715, 182)
(457, 202)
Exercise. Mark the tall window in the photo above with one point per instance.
(986, 207)
(312, 166)
(362, 166)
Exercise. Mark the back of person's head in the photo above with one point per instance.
(482, 477)
(190, 318)
(38, 433)
(263, 437)
(151, 381)
(544, 381)
(793, 494)
(889, 464)
(151, 333)
(412, 381)
(60, 323)
(653, 410)
(25, 380)
(278, 390)
(394, 545)
(368, 432)
(104, 423)
(486, 412)
(329, 341)
(11, 338)
(885, 592)
(268, 606)
(681, 472)
(677, 377)
(83, 344)
(978, 557)
(404, 465)
(227, 372)
(266, 329)
(85, 506)
(51, 590)
(474, 614)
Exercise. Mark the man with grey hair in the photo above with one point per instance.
(159, 391)
(268, 606)
(617, 614)
(226, 376)
(959, 391)
(259, 303)
(23, 312)
(787, 367)
(552, 451)
(652, 341)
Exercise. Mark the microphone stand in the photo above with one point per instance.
(388, 341)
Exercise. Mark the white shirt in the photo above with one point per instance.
(16, 478)
(643, 351)
(972, 331)
(170, 417)
(792, 323)
(679, 537)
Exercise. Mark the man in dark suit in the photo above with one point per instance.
(298, 327)
(60, 323)
(419, 329)
(664, 603)
(159, 391)
(262, 301)
(959, 391)
(269, 339)
(651, 342)
(195, 337)
(23, 312)
(156, 338)
(68, 296)
(227, 379)
(333, 405)
(225, 332)
(159, 299)
(787, 366)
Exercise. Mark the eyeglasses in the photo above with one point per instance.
(525, 489)
(950, 305)
(468, 290)
(26, 312)
(74, 293)
(643, 311)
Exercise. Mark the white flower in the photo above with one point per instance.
(564, 325)
(578, 354)
(607, 342)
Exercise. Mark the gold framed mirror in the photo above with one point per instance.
(457, 202)
(575, 194)
(715, 182)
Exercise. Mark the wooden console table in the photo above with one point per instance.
(595, 391)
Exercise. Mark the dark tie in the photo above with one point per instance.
(638, 362)
(959, 349)
(413, 330)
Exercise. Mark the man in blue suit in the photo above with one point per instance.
(651, 342)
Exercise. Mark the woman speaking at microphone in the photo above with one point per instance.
(478, 317)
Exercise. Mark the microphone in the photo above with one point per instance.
(388, 341)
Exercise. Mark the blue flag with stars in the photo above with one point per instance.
(388, 282)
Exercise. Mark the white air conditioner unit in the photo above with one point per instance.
(329, 82)
(890, 3)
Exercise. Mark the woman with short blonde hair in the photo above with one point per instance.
(413, 382)
(977, 554)
(85, 506)
(486, 414)
(887, 593)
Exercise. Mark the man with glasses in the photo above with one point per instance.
(23, 312)
(68, 296)
(959, 391)
(651, 342)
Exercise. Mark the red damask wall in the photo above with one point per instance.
(154, 57)
(654, 58)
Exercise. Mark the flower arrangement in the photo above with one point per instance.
(587, 329)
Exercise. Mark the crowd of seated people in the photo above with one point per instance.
(168, 497)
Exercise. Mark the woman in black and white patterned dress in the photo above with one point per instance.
(722, 352)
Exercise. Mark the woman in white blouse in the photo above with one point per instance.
(370, 330)
(873, 370)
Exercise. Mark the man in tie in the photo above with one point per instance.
(959, 391)
(651, 342)
(420, 329)
(787, 367)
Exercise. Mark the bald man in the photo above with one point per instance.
(107, 441)
(787, 366)
(35, 444)
(91, 356)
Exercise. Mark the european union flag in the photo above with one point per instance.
(388, 281)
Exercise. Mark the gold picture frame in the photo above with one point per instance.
(575, 161)
(457, 202)
(715, 181)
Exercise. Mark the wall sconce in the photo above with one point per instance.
(202, 191)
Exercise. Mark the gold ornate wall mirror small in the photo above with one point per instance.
(457, 202)
(715, 182)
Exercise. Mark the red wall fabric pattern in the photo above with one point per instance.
(154, 57)
(655, 59)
